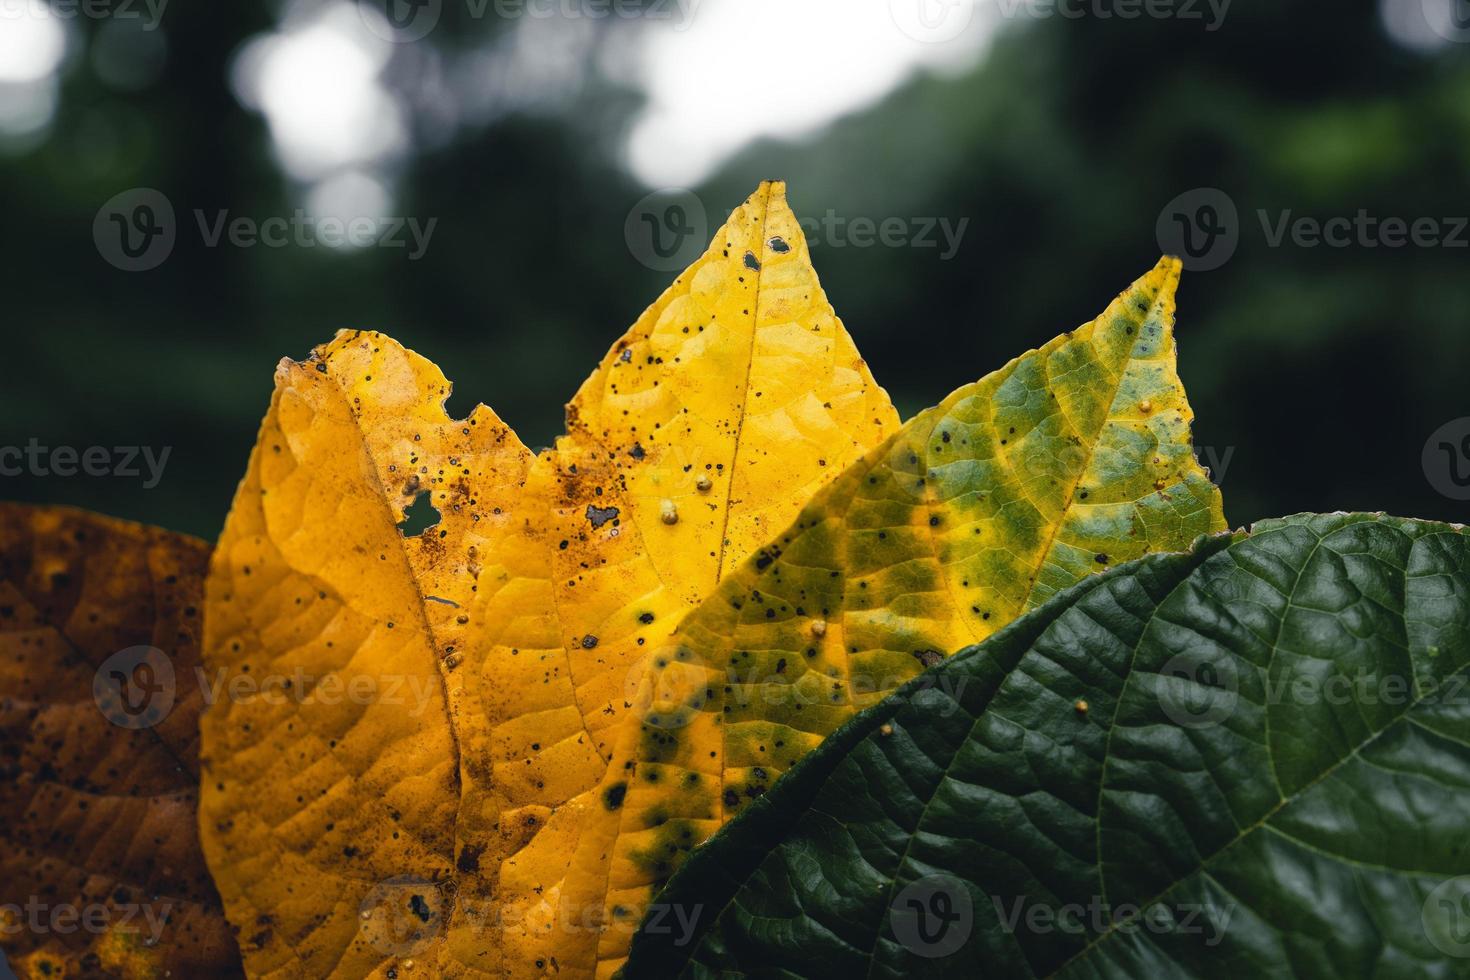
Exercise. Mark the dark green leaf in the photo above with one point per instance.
(1252, 760)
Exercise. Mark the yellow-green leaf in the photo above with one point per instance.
(489, 652)
(1069, 459)
(100, 868)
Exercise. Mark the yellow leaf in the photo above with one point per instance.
(101, 868)
(1067, 460)
(491, 652)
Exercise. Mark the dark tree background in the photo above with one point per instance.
(1317, 373)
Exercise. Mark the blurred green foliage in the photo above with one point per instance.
(1316, 373)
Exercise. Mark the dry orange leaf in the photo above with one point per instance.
(101, 872)
(408, 711)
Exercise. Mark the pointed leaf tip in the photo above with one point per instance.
(730, 402)
(1068, 460)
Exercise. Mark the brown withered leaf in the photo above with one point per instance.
(100, 871)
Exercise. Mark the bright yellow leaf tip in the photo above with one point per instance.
(1071, 458)
(411, 710)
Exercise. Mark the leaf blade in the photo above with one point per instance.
(977, 510)
(756, 386)
(511, 622)
(81, 596)
(1154, 797)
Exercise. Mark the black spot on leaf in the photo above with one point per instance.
(928, 657)
(600, 515)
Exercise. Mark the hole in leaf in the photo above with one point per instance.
(419, 516)
(458, 404)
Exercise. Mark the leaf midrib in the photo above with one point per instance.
(869, 717)
(755, 319)
(1096, 436)
(1202, 867)
(1260, 822)
(421, 611)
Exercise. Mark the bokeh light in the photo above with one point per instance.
(318, 81)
